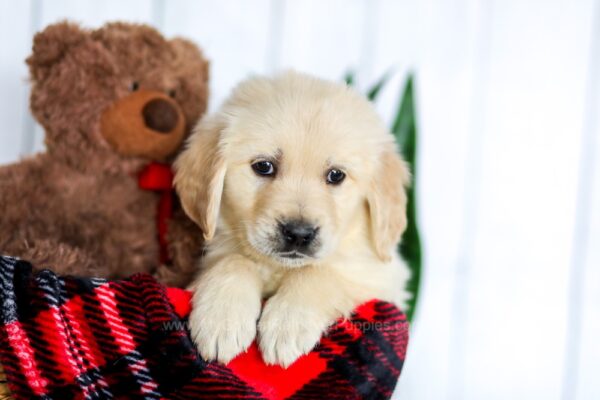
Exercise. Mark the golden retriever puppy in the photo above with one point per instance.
(299, 190)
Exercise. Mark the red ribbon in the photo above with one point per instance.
(158, 177)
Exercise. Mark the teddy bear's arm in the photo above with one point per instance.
(29, 226)
(185, 250)
(75, 223)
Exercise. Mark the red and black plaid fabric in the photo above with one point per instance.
(69, 338)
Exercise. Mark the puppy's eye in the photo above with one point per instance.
(134, 86)
(172, 93)
(264, 168)
(335, 176)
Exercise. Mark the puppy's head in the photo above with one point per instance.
(288, 166)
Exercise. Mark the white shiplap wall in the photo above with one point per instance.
(509, 178)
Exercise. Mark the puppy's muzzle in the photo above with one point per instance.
(298, 237)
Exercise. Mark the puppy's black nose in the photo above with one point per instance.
(298, 234)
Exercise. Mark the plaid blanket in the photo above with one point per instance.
(71, 338)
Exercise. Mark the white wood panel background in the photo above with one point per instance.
(509, 178)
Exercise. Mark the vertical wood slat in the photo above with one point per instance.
(29, 124)
(391, 44)
(365, 69)
(92, 14)
(517, 291)
(445, 41)
(275, 33)
(482, 50)
(586, 385)
(582, 352)
(158, 11)
(16, 19)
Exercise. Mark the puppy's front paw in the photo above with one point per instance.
(222, 329)
(287, 332)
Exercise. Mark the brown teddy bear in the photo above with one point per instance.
(116, 104)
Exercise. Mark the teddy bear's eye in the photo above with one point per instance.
(134, 86)
(172, 92)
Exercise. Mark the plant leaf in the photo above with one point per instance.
(349, 77)
(376, 88)
(405, 131)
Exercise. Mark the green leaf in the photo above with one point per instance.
(405, 131)
(373, 92)
(349, 78)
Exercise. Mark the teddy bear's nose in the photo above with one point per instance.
(160, 115)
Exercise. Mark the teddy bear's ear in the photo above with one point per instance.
(182, 45)
(51, 44)
(186, 51)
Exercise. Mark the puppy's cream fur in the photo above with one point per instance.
(308, 126)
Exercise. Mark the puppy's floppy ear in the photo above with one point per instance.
(200, 174)
(387, 203)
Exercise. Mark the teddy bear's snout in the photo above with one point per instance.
(145, 123)
(160, 115)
